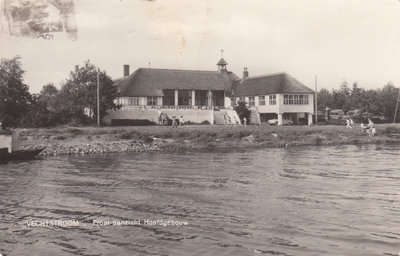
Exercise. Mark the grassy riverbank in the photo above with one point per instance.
(92, 140)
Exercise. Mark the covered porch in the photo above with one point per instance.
(197, 99)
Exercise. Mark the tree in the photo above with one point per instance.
(48, 97)
(14, 95)
(42, 108)
(324, 99)
(48, 91)
(79, 93)
(38, 114)
(242, 110)
(388, 97)
(338, 99)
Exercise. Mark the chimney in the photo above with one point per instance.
(245, 73)
(126, 70)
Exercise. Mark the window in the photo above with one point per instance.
(272, 99)
(241, 99)
(169, 97)
(218, 98)
(261, 100)
(184, 97)
(151, 101)
(133, 101)
(290, 99)
(305, 99)
(252, 101)
(201, 98)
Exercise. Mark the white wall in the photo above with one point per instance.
(279, 107)
(227, 102)
(5, 142)
(195, 116)
(296, 108)
(192, 115)
(267, 108)
(145, 114)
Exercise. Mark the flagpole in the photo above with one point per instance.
(316, 101)
(397, 105)
(98, 97)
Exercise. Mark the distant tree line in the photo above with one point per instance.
(74, 103)
(373, 101)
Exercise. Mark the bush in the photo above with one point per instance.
(243, 111)
(391, 129)
(125, 136)
(73, 131)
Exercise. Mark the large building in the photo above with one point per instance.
(277, 96)
(208, 96)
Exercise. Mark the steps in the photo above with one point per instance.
(219, 116)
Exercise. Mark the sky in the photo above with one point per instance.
(352, 40)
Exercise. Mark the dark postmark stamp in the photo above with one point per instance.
(46, 19)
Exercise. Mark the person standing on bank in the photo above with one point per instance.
(370, 123)
(348, 124)
(181, 122)
(245, 121)
(174, 124)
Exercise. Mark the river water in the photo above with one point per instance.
(341, 200)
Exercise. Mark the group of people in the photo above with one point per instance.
(175, 122)
(368, 128)
(228, 120)
(163, 120)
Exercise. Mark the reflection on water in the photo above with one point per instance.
(296, 201)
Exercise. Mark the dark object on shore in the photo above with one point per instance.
(131, 122)
(6, 157)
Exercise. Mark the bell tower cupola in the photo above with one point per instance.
(222, 63)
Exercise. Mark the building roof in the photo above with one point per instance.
(222, 61)
(271, 84)
(151, 82)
